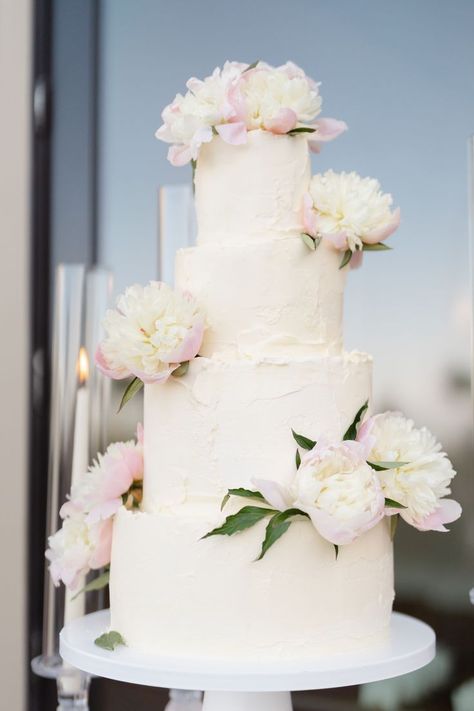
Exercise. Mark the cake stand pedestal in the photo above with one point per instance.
(247, 686)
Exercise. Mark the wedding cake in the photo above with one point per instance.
(253, 518)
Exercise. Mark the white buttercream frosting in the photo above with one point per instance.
(174, 594)
(251, 191)
(267, 297)
(272, 361)
(226, 422)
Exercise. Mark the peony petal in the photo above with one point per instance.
(337, 239)
(365, 436)
(103, 511)
(194, 85)
(382, 233)
(179, 155)
(343, 532)
(447, 512)
(284, 121)
(202, 135)
(236, 100)
(102, 365)
(133, 461)
(328, 527)
(118, 476)
(356, 259)
(275, 493)
(101, 554)
(164, 133)
(190, 345)
(160, 377)
(233, 133)
(69, 508)
(140, 433)
(327, 129)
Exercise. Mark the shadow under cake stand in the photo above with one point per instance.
(247, 686)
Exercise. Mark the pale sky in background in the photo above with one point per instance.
(401, 74)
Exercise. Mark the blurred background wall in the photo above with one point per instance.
(15, 51)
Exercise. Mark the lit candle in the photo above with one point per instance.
(80, 461)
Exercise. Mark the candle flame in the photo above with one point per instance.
(83, 366)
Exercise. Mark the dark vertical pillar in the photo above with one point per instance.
(63, 229)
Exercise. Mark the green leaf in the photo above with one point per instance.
(393, 525)
(110, 640)
(276, 527)
(251, 66)
(245, 518)
(311, 242)
(347, 256)
(130, 391)
(383, 466)
(298, 458)
(391, 504)
(303, 441)
(377, 247)
(300, 129)
(351, 432)
(181, 369)
(336, 549)
(96, 584)
(245, 493)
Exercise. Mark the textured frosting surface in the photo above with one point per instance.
(228, 421)
(254, 190)
(172, 593)
(273, 297)
(271, 361)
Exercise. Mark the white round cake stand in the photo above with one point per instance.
(253, 685)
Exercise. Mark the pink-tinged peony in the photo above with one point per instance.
(100, 492)
(423, 479)
(152, 330)
(348, 211)
(189, 120)
(239, 98)
(77, 548)
(339, 491)
(278, 99)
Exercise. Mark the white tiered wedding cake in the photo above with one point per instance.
(260, 301)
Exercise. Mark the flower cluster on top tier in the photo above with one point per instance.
(153, 331)
(239, 98)
(350, 212)
(383, 466)
(83, 542)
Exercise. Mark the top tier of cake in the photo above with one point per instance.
(263, 291)
(251, 192)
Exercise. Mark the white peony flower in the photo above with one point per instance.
(77, 548)
(423, 480)
(348, 210)
(339, 491)
(189, 120)
(152, 331)
(99, 491)
(279, 98)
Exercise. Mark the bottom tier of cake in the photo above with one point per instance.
(174, 594)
